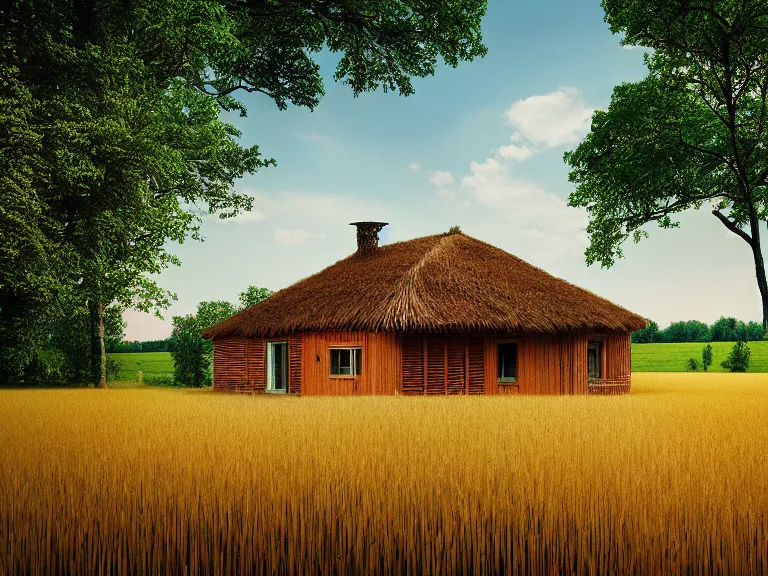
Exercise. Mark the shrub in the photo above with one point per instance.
(738, 358)
(114, 367)
(706, 357)
(692, 365)
(158, 379)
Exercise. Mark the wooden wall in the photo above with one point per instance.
(618, 355)
(380, 358)
(240, 364)
(438, 365)
(546, 364)
(414, 364)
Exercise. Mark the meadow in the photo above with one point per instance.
(150, 363)
(673, 357)
(670, 479)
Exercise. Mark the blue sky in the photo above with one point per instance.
(479, 146)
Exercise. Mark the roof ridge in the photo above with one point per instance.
(405, 297)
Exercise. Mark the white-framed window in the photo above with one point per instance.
(277, 366)
(346, 361)
(506, 353)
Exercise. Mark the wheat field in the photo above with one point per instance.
(672, 479)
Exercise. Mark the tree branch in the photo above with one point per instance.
(732, 227)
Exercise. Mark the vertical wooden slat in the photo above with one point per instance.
(426, 368)
(412, 365)
(257, 364)
(445, 370)
(294, 363)
(466, 365)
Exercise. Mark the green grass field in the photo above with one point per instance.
(673, 357)
(153, 363)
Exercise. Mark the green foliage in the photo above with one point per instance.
(159, 379)
(137, 346)
(686, 331)
(114, 367)
(692, 365)
(738, 358)
(706, 357)
(192, 354)
(253, 295)
(691, 133)
(648, 334)
(112, 143)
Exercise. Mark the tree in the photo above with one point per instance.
(738, 358)
(192, 354)
(692, 133)
(686, 331)
(706, 357)
(754, 332)
(725, 330)
(115, 131)
(647, 335)
(253, 295)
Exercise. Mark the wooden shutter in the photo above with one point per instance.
(413, 365)
(436, 356)
(229, 365)
(456, 365)
(257, 365)
(476, 349)
(294, 361)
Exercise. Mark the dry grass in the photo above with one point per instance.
(672, 479)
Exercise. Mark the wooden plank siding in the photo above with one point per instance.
(380, 358)
(413, 364)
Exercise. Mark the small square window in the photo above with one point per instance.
(507, 355)
(346, 361)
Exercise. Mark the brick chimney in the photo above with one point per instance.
(368, 236)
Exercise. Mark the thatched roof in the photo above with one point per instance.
(442, 283)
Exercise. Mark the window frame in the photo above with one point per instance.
(600, 357)
(356, 358)
(508, 380)
(270, 352)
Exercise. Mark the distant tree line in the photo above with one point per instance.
(724, 330)
(139, 346)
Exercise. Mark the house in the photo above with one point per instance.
(442, 314)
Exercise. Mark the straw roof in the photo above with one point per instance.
(435, 284)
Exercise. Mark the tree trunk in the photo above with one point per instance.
(98, 352)
(757, 253)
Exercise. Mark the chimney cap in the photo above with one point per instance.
(378, 225)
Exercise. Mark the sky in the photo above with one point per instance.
(479, 146)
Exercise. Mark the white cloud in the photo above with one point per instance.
(441, 178)
(512, 152)
(414, 166)
(553, 119)
(536, 215)
(446, 194)
(296, 237)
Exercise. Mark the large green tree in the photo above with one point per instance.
(693, 133)
(112, 143)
